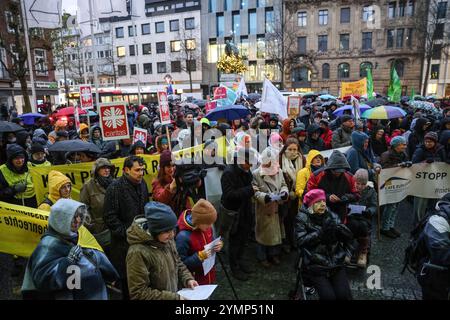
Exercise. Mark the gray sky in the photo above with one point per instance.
(70, 6)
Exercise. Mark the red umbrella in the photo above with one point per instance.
(69, 111)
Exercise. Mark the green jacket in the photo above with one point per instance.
(93, 195)
(154, 269)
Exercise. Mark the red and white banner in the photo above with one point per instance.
(211, 105)
(164, 110)
(220, 93)
(294, 105)
(113, 120)
(140, 134)
(86, 100)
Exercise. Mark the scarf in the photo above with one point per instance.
(292, 166)
(105, 181)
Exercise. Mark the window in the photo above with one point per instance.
(145, 28)
(174, 25)
(260, 47)
(212, 5)
(100, 54)
(302, 74)
(399, 67)
(147, 68)
(401, 8)
(220, 25)
(400, 34)
(108, 53)
(122, 70)
(368, 13)
(119, 32)
(438, 32)
(160, 47)
(343, 71)
(301, 45)
(323, 43)
(244, 4)
(270, 20)
(161, 66)
(344, 42)
(345, 15)
(40, 61)
(367, 40)
(175, 66)
(390, 38)
(132, 50)
(244, 47)
(302, 19)
(99, 41)
(363, 69)
(213, 53)
(434, 71)
(133, 69)
(190, 44)
(325, 71)
(410, 9)
(323, 17)
(146, 48)
(175, 46)
(442, 10)
(391, 9)
(437, 50)
(159, 27)
(120, 51)
(3, 72)
(252, 22)
(131, 33)
(228, 5)
(409, 37)
(189, 23)
(191, 65)
(236, 22)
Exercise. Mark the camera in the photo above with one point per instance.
(189, 175)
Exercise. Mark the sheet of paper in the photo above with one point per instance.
(209, 263)
(198, 293)
(356, 209)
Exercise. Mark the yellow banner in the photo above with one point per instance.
(21, 229)
(354, 88)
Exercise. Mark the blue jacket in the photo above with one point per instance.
(359, 158)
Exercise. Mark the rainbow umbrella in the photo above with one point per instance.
(384, 112)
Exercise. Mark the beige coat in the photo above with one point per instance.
(268, 223)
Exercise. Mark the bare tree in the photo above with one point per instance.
(429, 22)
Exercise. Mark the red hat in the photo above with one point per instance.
(314, 196)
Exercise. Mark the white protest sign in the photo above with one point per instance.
(209, 263)
(140, 134)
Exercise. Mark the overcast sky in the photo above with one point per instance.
(70, 6)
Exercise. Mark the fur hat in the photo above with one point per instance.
(203, 212)
(314, 196)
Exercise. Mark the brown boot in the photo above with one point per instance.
(363, 251)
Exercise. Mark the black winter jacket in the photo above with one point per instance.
(237, 189)
(422, 154)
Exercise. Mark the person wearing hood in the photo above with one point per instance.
(60, 125)
(16, 186)
(436, 237)
(161, 144)
(314, 141)
(314, 161)
(300, 133)
(272, 192)
(342, 135)
(38, 156)
(327, 134)
(378, 141)
(92, 194)
(323, 242)
(287, 125)
(48, 273)
(416, 138)
(137, 149)
(360, 155)
(337, 182)
(195, 232)
(125, 199)
(96, 137)
(23, 139)
(39, 136)
(273, 122)
(154, 268)
(59, 186)
(83, 132)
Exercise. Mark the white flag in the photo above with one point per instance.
(356, 108)
(272, 101)
(43, 13)
(242, 89)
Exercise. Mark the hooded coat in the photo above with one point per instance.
(138, 143)
(47, 270)
(55, 181)
(417, 136)
(286, 124)
(98, 142)
(304, 174)
(318, 144)
(359, 158)
(422, 154)
(154, 269)
(341, 138)
(378, 146)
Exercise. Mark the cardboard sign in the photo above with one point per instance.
(164, 110)
(211, 105)
(220, 93)
(294, 104)
(354, 88)
(86, 100)
(113, 120)
(140, 134)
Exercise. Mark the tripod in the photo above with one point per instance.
(226, 274)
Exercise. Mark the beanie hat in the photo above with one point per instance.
(314, 196)
(37, 147)
(160, 217)
(432, 136)
(345, 118)
(203, 212)
(165, 158)
(397, 141)
(361, 176)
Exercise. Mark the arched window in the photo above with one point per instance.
(399, 67)
(343, 71)
(325, 71)
(363, 69)
(302, 74)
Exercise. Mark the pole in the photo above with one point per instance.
(378, 207)
(227, 276)
(136, 56)
(66, 91)
(168, 137)
(94, 52)
(30, 64)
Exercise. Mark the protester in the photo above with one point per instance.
(342, 136)
(378, 141)
(138, 148)
(59, 186)
(83, 132)
(360, 155)
(314, 161)
(416, 138)
(326, 134)
(96, 137)
(314, 141)
(38, 156)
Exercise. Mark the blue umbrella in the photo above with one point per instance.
(29, 118)
(231, 112)
(340, 111)
(327, 97)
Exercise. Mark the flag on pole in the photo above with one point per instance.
(272, 101)
(395, 86)
(43, 13)
(413, 93)
(242, 89)
(356, 108)
(369, 84)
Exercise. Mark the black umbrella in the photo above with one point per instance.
(74, 146)
(376, 102)
(6, 126)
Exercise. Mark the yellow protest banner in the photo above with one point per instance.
(354, 88)
(21, 229)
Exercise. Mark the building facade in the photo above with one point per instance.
(338, 40)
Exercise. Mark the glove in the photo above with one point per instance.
(203, 255)
(344, 199)
(403, 164)
(75, 254)
(328, 234)
(267, 198)
(408, 164)
(19, 187)
(284, 195)
(429, 160)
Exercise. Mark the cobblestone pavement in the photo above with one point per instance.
(275, 283)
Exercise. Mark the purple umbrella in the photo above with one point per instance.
(29, 118)
(340, 111)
